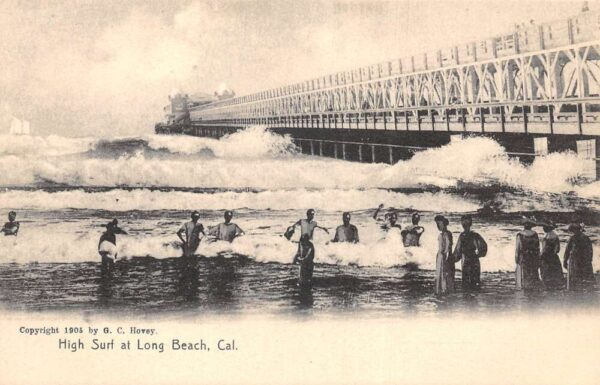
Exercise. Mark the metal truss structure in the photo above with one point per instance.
(541, 79)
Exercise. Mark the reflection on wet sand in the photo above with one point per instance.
(233, 284)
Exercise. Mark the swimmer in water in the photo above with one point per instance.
(412, 234)
(107, 246)
(444, 261)
(305, 257)
(192, 230)
(346, 232)
(307, 227)
(469, 248)
(226, 231)
(12, 226)
(390, 219)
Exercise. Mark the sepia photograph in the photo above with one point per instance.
(421, 176)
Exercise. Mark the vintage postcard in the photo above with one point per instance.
(299, 192)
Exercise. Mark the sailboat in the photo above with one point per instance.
(19, 127)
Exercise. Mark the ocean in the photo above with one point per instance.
(65, 189)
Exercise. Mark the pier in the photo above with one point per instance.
(535, 90)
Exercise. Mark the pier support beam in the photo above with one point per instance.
(360, 155)
(373, 153)
(540, 146)
(587, 150)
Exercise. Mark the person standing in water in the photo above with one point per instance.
(411, 235)
(527, 257)
(12, 226)
(305, 257)
(469, 248)
(444, 263)
(107, 246)
(578, 259)
(346, 232)
(192, 230)
(226, 231)
(550, 267)
(308, 225)
(389, 219)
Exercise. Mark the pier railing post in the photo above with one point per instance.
(447, 117)
(551, 118)
(481, 119)
(579, 118)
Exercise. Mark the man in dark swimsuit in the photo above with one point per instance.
(469, 248)
(411, 235)
(12, 226)
(192, 230)
(107, 246)
(226, 231)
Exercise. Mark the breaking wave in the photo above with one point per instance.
(258, 159)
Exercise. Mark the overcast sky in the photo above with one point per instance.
(105, 68)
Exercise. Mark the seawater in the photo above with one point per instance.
(66, 189)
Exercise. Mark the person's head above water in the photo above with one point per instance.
(195, 215)
(12, 216)
(416, 217)
(466, 221)
(393, 217)
(228, 215)
(346, 218)
(441, 222)
(310, 214)
(112, 225)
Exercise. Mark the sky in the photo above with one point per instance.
(106, 68)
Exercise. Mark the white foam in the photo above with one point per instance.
(331, 200)
(257, 158)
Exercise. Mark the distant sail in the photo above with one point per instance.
(25, 129)
(16, 127)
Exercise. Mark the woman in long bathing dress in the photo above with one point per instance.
(444, 263)
(550, 266)
(527, 257)
(578, 260)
